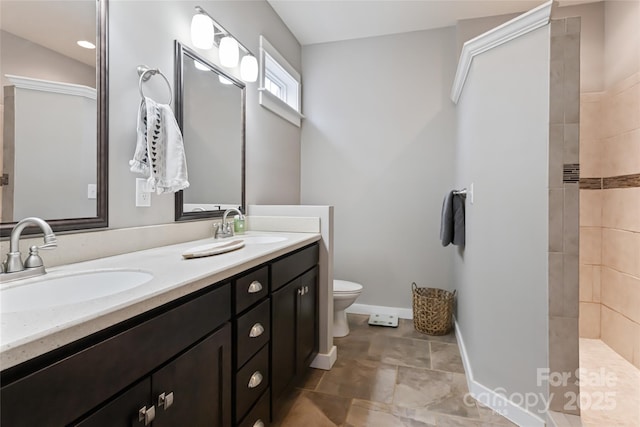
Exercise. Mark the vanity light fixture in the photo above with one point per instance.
(229, 52)
(86, 44)
(249, 68)
(229, 48)
(202, 31)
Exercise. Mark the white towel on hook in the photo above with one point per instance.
(159, 153)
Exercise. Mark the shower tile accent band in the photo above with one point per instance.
(621, 181)
(591, 183)
(571, 172)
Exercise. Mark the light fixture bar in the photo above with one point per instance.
(221, 29)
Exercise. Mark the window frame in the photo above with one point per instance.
(283, 75)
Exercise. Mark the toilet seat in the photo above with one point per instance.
(344, 286)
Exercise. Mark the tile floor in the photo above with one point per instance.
(387, 377)
(610, 391)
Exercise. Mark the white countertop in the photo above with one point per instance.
(27, 334)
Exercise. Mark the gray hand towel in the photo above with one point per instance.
(458, 220)
(446, 221)
(452, 220)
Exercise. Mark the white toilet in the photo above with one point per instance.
(344, 294)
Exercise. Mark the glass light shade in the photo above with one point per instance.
(202, 31)
(229, 52)
(86, 44)
(249, 68)
(224, 80)
(200, 66)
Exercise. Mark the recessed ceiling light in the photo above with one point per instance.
(85, 44)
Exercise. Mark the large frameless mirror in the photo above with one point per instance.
(210, 110)
(53, 69)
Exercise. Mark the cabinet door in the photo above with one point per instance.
(283, 337)
(306, 334)
(196, 386)
(123, 411)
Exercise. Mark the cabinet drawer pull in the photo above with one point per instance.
(254, 287)
(258, 423)
(255, 380)
(165, 400)
(256, 330)
(147, 415)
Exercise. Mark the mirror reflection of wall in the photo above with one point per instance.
(212, 123)
(49, 109)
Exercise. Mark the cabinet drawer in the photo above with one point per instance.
(291, 266)
(253, 330)
(251, 288)
(251, 381)
(260, 414)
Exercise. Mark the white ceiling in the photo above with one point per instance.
(57, 25)
(320, 21)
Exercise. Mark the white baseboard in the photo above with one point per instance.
(491, 398)
(402, 313)
(325, 361)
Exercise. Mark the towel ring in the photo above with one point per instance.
(146, 73)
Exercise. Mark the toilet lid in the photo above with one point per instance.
(345, 286)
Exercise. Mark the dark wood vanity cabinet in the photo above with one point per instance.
(294, 307)
(108, 378)
(219, 357)
(252, 334)
(191, 390)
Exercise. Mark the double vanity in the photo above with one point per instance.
(152, 338)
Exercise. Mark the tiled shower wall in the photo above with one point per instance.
(610, 217)
(564, 204)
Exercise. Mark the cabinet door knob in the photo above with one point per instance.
(254, 287)
(256, 330)
(306, 290)
(146, 415)
(165, 400)
(258, 423)
(300, 291)
(255, 380)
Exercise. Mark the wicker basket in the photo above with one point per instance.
(432, 310)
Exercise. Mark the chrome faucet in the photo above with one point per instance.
(225, 229)
(13, 267)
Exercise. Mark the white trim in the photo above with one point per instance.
(523, 24)
(402, 313)
(279, 107)
(266, 98)
(273, 52)
(51, 86)
(325, 361)
(492, 399)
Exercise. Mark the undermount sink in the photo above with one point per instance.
(72, 288)
(250, 240)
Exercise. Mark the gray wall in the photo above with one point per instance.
(24, 58)
(142, 32)
(56, 160)
(378, 144)
(501, 276)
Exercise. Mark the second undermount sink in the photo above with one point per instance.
(262, 239)
(72, 288)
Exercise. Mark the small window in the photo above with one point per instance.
(279, 84)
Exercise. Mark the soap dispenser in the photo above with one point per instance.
(238, 224)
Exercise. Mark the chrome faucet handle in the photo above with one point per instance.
(33, 260)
